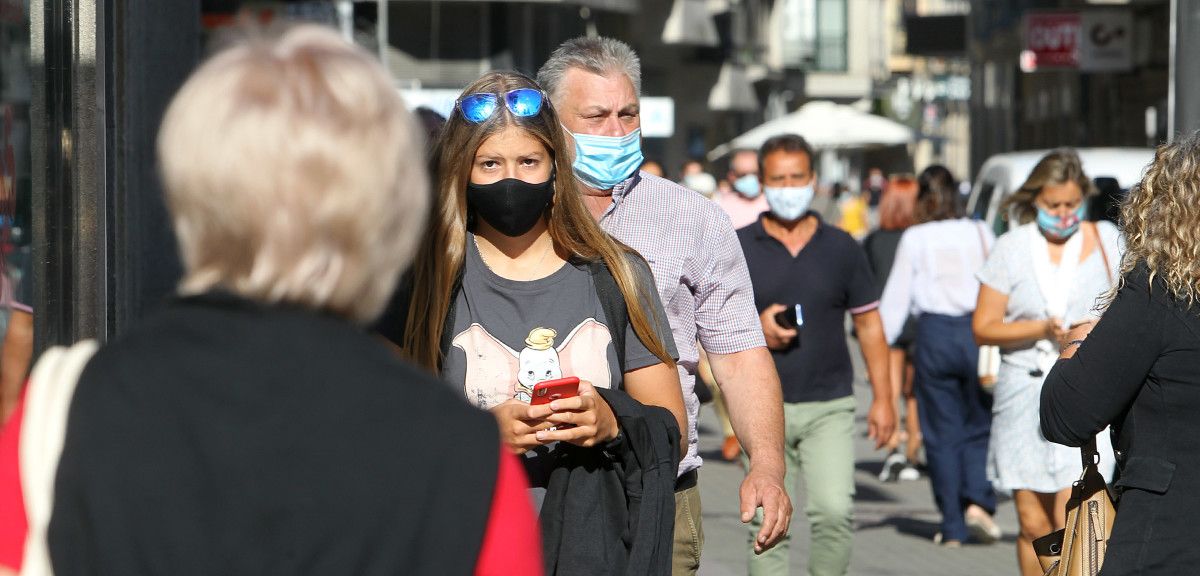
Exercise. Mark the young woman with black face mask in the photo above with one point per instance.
(516, 284)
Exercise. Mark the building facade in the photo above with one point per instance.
(1048, 73)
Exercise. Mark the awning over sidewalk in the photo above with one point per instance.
(825, 125)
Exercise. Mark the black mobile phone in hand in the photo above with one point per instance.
(790, 319)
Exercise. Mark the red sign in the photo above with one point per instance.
(12, 11)
(1053, 38)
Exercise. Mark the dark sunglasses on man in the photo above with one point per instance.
(522, 102)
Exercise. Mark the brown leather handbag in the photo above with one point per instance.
(1078, 549)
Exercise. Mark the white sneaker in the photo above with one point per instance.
(938, 540)
(909, 473)
(983, 528)
(892, 465)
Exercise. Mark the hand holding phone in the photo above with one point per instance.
(779, 324)
(789, 318)
(584, 419)
(548, 391)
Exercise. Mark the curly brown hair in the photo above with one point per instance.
(1161, 219)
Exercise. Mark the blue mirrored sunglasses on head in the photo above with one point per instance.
(522, 102)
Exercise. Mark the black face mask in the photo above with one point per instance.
(511, 206)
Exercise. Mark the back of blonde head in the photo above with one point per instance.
(294, 174)
(1161, 219)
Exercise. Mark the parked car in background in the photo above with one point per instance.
(1114, 170)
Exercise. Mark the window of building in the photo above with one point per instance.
(811, 34)
(831, 36)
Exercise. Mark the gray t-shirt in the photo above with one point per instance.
(510, 335)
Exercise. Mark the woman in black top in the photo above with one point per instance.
(254, 426)
(896, 214)
(1139, 371)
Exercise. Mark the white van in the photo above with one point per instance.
(1114, 170)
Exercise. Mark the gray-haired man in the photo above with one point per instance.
(699, 270)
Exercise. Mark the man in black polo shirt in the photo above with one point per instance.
(799, 264)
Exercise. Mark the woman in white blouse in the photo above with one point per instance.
(933, 278)
(1043, 277)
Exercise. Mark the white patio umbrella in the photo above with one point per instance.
(825, 125)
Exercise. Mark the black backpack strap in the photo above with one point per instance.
(613, 304)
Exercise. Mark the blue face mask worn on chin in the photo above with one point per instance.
(789, 204)
(1060, 228)
(602, 162)
(747, 186)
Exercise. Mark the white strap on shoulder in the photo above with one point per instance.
(43, 429)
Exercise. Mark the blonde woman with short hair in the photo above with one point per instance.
(253, 425)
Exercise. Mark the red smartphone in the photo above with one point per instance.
(549, 390)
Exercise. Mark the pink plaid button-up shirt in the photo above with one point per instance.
(699, 270)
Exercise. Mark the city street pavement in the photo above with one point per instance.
(894, 523)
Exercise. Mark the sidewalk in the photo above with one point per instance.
(894, 522)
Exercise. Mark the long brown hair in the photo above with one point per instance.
(937, 195)
(1055, 168)
(572, 229)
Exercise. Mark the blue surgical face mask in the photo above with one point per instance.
(791, 203)
(1060, 228)
(605, 161)
(747, 186)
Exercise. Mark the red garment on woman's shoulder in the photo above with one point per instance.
(512, 542)
(13, 524)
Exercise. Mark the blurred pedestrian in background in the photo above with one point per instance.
(16, 349)
(745, 202)
(431, 123)
(694, 177)
(701, 182)
(1137, 370)
(653, 168)
(1043, 277)
(515, 284)
(699, 270)
(933, 277)
(876, 186)
(896, 214)
(253, 426)
(853, 210)
(723, 186)
(807, 277)
(689, 167)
